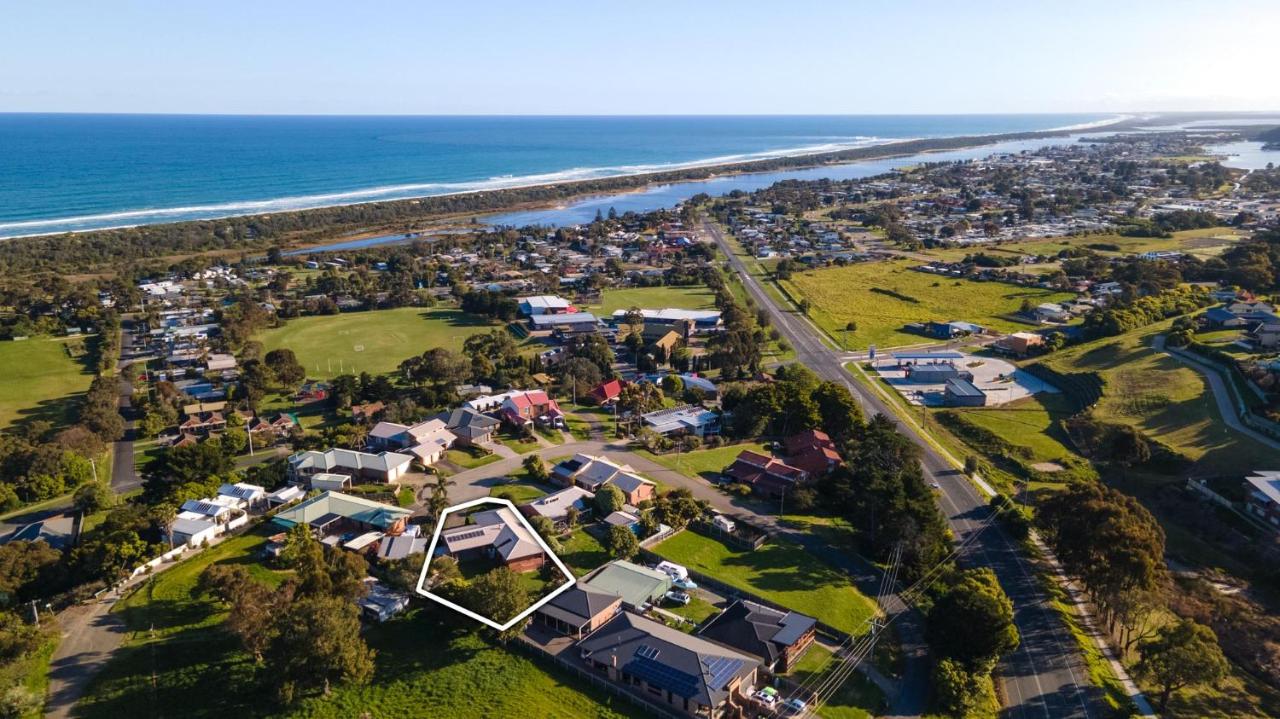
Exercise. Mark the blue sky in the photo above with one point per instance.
(651, 57)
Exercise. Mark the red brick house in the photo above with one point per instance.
(765, 475)
(813, 451)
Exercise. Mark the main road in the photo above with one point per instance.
(1046, 678)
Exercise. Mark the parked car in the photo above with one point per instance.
(767, 696)
(794, 705)
(681, 598)
(687, 584)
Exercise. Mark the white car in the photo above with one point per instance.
(767, 696)
(681, 598)
(935, 485)
(686, 584)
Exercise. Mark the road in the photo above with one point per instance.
(1223, 396)
(1046, 677)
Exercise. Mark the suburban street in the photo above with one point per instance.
(1046, 676)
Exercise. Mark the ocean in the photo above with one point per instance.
(66, 172)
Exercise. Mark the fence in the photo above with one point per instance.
(599, 681)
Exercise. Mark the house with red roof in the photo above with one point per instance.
(606, 393)
(813, 451)
(766, 475)
(530, 408)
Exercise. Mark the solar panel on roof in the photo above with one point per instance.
(722, 670)
(661, 675)
(467, 535)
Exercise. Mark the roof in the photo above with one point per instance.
(606, 391)
(1268, 483)
(634, 583)
(683, 664)
(621, 519)
(190, 527)
(758, 630)
(241, 490)
(570, 318)
(466, 422)
(963, 388)
(548, 302)
(499, 528)
(401, 546)
(672, 314)
(555, 505)
(348, 459)
(679, 418)
(629, 482)
(204, 507)
(928, 355)
(369, 512)
(584, 602)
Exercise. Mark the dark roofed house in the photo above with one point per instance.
(765, 475)
(778, 638)
(579, 611)
(813, 451)
(670, 668)
(471, 427)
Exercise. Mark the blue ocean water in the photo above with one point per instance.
(63, 173)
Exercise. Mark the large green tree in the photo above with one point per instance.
(972, 622)
(1182, 654)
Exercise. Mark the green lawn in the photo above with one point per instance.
(779, 571)
(1165, 399)
(706, 463)
(518, 492)
(583, 552)
(696, 611)
(843, 294)
(428, 663)
(41, 377)
(1202, 243)
(697, 297)
(857, 698)
(470, 458)
(375, 341)
(519, 445)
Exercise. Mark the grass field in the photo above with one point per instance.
(41, 378)
(696, 297)
(428, 663)
(1165, 399)
(858, 698)
(707, 463)
(1203, 243)
(843, 294)
(779, 571)
(518, 492)
(583, 552)
(375, 342)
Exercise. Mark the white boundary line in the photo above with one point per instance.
(431, 551)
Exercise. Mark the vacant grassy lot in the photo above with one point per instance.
(843, 294)
(1165, 399)
(1202, 243)
(41, 378)
(857, 698)
(518, 492)
(707, 463)
(696, 297)
(428, 664)
(779, 571)
(583, 552)
(375, 342)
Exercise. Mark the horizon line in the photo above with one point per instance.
(631, 115)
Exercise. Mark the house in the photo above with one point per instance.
(638, 586)
(401, 546)
(571, 323)
(381, 602)
(812, 451)
(324, 481)
(385, 467)
(426, 441)
(1222, 318)
(285, 495)
(534, 407)
(498, 534)
(543, 305)
(58, 531)
(248, 496)
(218, 510)
(685, 419)
(685, 322)
(951, 330)
(203, 423)
(963, 393)
(332, 513)
(555, 506)
(690, 674)
(765, 475)
(578, 611)
(219, 363)
(192, 532)
(1051, 312)
(470, 427)
(1262, 496)
(624, 519)
(591, 473)
(1019, 343)
(1266, 335)
(606, 393)
(777, 638)
(666, 344)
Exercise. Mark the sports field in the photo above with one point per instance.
(375, 342)
(41, 376)
(842, 294)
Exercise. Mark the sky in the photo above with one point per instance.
(650, 57)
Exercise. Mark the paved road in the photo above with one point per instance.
(1223, 395)
(1046, 677)
(90, 633)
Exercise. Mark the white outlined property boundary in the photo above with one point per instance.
(431, 551)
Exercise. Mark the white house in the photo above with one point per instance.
(193, 532)
(247, 496)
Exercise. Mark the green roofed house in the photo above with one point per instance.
(335, 513)
(638, 586)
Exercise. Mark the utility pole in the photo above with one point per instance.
(94, 466)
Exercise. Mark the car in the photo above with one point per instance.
(935, 485)
(767, 696)
(687, 584)
(795, 705)
(681, 598)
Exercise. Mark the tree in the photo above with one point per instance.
(94, 497)
(439, 500)
(498, 595)
(609, 499)
(28, 570)
(580, 375)
(622, 543)
(677, 508)
(535, 469)
(640, 398)
(958, 691)
(1181, 654)
(315, 642)
(284, 366)
(547, 530)
(571, 516)
(973, 622)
